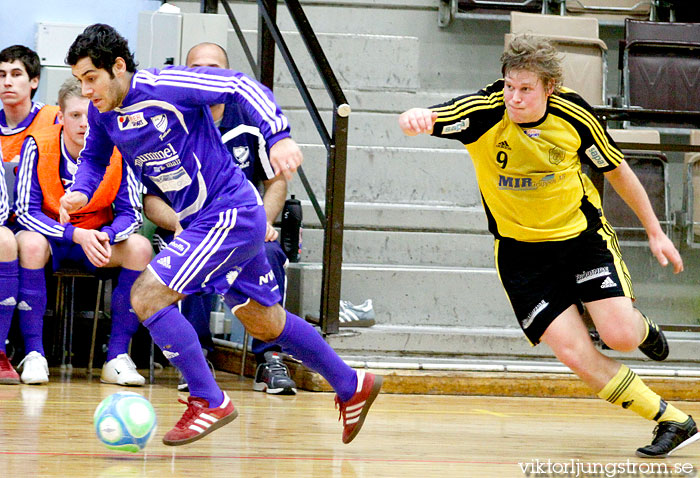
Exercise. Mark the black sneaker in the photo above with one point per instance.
(272, 376)
(669, 437)
(654, 346)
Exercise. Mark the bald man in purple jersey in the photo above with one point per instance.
(161, 122)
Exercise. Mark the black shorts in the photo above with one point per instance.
(543, 279)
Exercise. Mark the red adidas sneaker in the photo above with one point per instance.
(354, 411)
(8, 375)
(199, 420)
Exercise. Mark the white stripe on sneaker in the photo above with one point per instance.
(360, 380)
(208, 417)
(226, 401)
(196, 428)
(685, 443)
(355, 407)
(205, 424)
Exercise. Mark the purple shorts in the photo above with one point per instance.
(220, 252)
(69, 254)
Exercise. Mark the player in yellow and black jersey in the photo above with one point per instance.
(531, 163)
(527, 136)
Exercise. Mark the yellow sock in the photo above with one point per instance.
(672, 414)
(627, 390)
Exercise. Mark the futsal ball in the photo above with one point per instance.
(125, 421)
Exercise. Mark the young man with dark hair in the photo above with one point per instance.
(19, 79)
(555, 251)
(162, 124)
(99, 235)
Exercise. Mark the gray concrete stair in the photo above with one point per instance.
(426, 217)
(395, 175)
(367, 129)
(359, 60)
(410, 295)
(401, 247)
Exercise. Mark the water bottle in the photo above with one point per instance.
(291, 229)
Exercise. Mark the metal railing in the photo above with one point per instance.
(269, 37)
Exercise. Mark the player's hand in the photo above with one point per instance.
(664, 251)
(70, 202)
(271, 234)
(95, 244)
(285, 157)
(417, 120)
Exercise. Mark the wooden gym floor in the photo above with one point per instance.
(46, 431)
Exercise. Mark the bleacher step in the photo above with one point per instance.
(401, 247)
(409, 295)
(395, 175)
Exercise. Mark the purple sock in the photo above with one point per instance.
(124, 320)
(32, 305)
(9, 286)
(178, 341)
(302, 341)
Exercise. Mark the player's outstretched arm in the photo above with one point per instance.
(71, 202)
(285, 157)
(417, 120)
(627, 185)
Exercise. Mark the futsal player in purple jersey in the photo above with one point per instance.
(161, 122)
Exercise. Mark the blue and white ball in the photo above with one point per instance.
(125, 421)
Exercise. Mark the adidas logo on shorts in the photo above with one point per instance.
(503, 145)
(608, 282)
(164, 261)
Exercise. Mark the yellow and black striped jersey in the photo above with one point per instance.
(529, 175)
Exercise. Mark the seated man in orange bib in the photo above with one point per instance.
(100, 235)
(20, 116)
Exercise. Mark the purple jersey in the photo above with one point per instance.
(165, 131)
(29, 198)
(246, 143)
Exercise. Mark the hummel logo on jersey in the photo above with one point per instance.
(608, 282)
(24, 306)
(164, 261)
(10, 302)
(503, 145)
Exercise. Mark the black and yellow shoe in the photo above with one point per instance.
(669, 437)
(655, 345)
